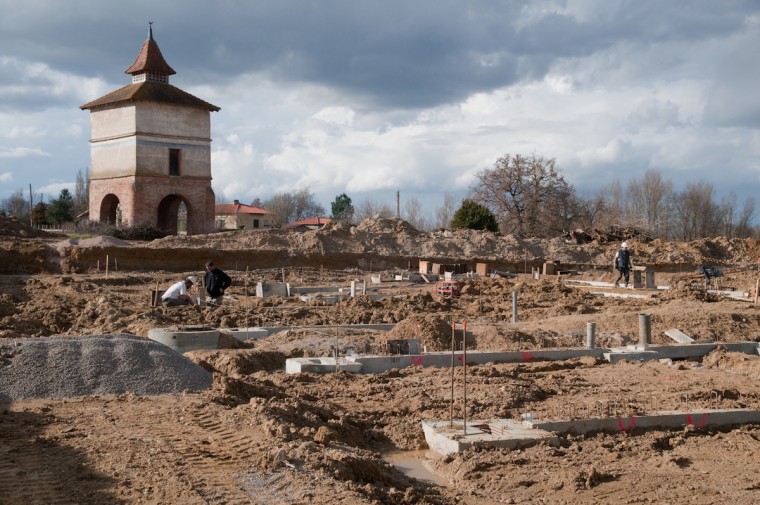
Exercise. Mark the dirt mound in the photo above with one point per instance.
(433, 331)
(12, 227)
(386, 225)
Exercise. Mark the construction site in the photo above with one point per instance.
(375, 363)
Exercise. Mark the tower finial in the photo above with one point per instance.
(150, 30)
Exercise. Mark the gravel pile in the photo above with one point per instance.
(70, 366)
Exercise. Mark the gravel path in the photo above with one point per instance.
(71, 366)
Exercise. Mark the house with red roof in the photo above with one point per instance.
(239, 216)
(311, 223)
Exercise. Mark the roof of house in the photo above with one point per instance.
(311, 221)
(226, 209)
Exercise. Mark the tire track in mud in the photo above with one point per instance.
(27, 477)
(214, 454)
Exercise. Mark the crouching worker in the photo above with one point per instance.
(177, 293)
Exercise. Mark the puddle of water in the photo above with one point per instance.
(415, 464)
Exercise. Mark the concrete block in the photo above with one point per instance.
(679, 336)
(443, 438)
(265, 290)
(321, 365)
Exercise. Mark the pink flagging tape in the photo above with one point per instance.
(630, 426)
(702, 422)
(417, 360)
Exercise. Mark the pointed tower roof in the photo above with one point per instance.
(150, 60)
(150, 83)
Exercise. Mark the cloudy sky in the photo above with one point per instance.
(370, 97)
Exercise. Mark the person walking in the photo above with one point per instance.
(622, 263)
(216, 282)
(177, 294)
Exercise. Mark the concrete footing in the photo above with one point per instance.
(378, 364)
(186, 338)
(444, 438)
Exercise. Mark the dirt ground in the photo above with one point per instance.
(260, 435)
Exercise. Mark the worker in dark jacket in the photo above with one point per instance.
(622, 263)
(216, 282)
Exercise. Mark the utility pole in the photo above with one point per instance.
(398, 204)
(31, 206)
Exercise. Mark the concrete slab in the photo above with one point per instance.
(609, 294)
(321, 365)
(443, 438)
(264, 290)
(679, 336)
(664, 419)
(639, 353)
(377, 364)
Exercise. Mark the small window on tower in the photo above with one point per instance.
(173, 161)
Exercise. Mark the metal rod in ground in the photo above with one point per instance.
(464, 377)
(590, 335)
(645, 329)
(514, 306)
(453, 362)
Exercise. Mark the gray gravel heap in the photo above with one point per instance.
(71, 366)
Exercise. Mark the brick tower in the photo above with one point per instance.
(151, 150)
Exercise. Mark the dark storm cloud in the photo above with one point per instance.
(393, 53)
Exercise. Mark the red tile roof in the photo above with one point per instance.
(225, 209)
(311, 221)
(150, 60)
(151, 92)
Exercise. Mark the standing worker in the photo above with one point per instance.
(177, 293)
(622, 263)
(216, 282)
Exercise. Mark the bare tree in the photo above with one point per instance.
(289, 207)
(650, 199)
(522, 192)
(414, 214)
(81, 194)
(696, 213)
(592, 212)
(445, 213)
(743, 228)
(369, 209)
(16, 205)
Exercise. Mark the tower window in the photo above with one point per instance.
(173, 161)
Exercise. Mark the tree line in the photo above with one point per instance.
(526, 196)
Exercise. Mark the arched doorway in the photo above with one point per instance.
(109, 208)
(173, 214)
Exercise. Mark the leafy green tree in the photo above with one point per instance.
(473, 216)
(61, 209)
(342, 208)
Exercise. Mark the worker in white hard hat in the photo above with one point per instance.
(177, 294)
(622, 263)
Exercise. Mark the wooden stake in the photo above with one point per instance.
(757, 287)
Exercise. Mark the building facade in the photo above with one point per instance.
(151, 151)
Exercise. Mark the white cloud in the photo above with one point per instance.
(6, 177)
(22, 152)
